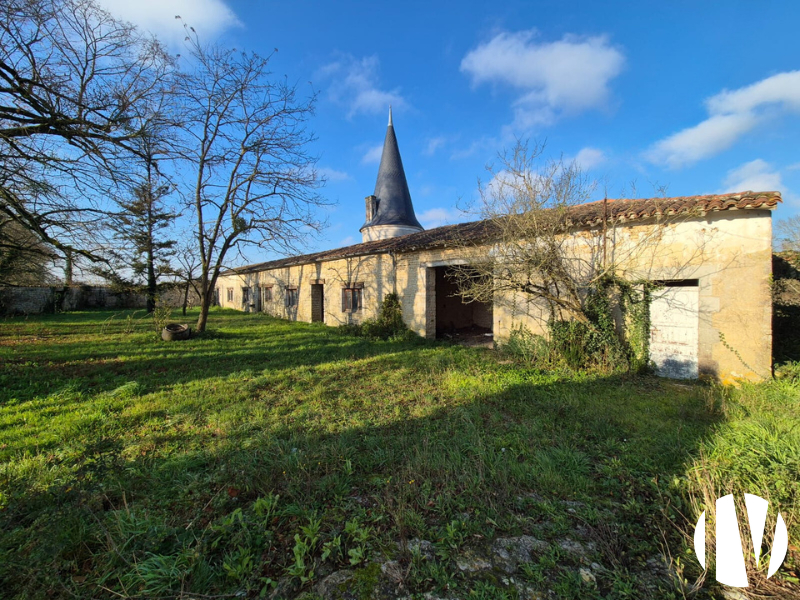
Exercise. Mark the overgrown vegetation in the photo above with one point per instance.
(614, 336)
(388, 325)
(786, 308)
(756, 450)
(262, 456)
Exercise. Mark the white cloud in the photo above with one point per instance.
(781, 89)
(373, 155)
(348, 241)
(557, 78)
(355, 85)
(434, 144)
(503, 187)
(208, 17)
(589, 158)
(332, 174)
(704, 140)
(436, 217)
(756, 176)
(732, 114)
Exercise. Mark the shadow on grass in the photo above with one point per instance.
(40, 369)
(493, 456)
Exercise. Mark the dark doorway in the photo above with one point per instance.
(317, 303)
(470, 322)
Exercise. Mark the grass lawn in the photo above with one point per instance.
(263, 456)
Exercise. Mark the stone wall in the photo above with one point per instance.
(37, 300)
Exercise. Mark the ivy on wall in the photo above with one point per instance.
(614, 336)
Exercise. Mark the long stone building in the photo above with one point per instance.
(711, 255)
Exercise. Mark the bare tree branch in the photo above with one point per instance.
(76, 90)
(254, 182)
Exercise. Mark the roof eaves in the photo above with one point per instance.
(619, 211)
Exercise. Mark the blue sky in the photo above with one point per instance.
(702, 97)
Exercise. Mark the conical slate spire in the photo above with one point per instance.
(391, 190)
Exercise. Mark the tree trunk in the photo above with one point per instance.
(205, 303)
(152, 284)
(68, 268)
(185, 298)
(152, 287)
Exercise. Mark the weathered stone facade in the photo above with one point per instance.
(726, 254)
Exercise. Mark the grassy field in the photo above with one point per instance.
(261, 457)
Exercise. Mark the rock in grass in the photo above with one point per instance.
(509, 553)
(392, 570)
(576, 548)
(470, 562)
(330, 587)
(526, 592)
(587, 576)
(423, 547)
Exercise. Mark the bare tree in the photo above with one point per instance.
(253, 181)
(73, 84)
(188, 271)
(526, 209)
(542, 242)
(787, 234)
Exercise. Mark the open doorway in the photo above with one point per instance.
(465, 322)
(317, 303)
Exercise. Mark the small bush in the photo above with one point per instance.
(598, 342)
(583, 345)
(389, 324)
(161, 316)
(789, 371)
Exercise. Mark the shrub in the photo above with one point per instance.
(389, 323)
(571, 344)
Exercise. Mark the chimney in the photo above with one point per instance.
(372, 207)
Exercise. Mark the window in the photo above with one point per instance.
(230, 294)
(291, 297)
(245, 295)
(352, 297)
(266, 294)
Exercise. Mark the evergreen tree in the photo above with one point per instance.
(141, 225)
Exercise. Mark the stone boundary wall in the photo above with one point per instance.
(49, 299)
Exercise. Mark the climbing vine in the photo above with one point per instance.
(605, 341)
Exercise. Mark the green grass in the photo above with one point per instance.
(236, 461)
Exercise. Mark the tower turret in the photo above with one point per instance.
(389, 211)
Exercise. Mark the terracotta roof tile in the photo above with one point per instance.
(582, 215)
